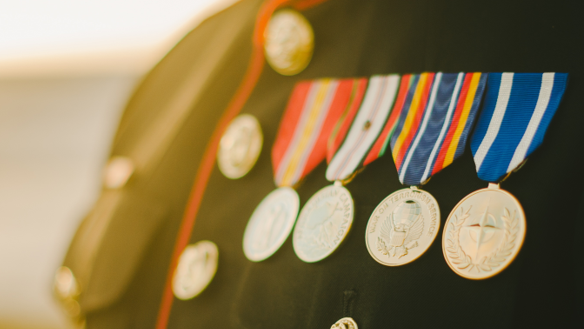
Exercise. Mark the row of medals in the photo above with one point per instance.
(482, 235)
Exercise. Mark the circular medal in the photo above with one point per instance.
(270, 224)
(345, 323)
(323, 223)
(240, 146)
(402, 227)
(196, 268)
(483, 233)
(289, 42)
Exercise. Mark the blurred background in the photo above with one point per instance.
(67, 68)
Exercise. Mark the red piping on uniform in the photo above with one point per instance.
(207, 163)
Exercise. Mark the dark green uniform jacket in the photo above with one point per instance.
(122, 251)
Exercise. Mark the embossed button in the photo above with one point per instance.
(196, 268)
(65, 283)
(117, 172)
(240, 146)
(345, 323)
(67, 290)
(289, 42)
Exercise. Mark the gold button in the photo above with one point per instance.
(240, 146)
(289, 42)
(65, 283)
(345, 323)
(67, 290)
(196, 268)
(117, 172)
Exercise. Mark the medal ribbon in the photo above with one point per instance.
(364, 130)
(435, 118)
(517, 112)
(309, 119)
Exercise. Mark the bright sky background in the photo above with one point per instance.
(55, 133)
(107, 34)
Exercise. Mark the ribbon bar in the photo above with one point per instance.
(517, 112)
(435, 117)
(310, 116)
(364, 130)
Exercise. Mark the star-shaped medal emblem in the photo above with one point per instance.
(482, 230)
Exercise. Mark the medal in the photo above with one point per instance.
(270, 224)
(240, 146)
(313, 109)
(428, 129)
(485, 231)
(327, 217)
(289, 42)
(196, 268)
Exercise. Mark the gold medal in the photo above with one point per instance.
(483, 233)
(289, 42)
(240, 146)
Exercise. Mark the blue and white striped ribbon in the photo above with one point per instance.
(517, 112)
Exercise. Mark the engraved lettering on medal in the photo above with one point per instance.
(323, 223)
(378, 214)
(432, 220)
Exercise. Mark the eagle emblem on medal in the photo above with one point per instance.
(402, 227)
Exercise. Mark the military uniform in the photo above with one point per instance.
(121, 255)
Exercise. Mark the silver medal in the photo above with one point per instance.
(402, 227)
(270, 224)
(323, 223)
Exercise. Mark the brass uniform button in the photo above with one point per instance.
(289, 42)
(117, 172)
(240, 146)
(67, 290)
(345, 323)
